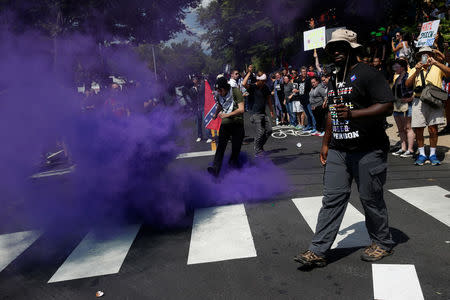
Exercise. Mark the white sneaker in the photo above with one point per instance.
(407, 154)
(398, 153)
(198, 140)
(208, 141)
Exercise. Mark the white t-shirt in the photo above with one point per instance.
(404, 51)
(233, 83)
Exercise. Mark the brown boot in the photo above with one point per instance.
(374, 252)
(310, 259)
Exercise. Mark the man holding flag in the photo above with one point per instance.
(230, 108)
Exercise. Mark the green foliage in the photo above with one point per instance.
(238, 31)
(445, 29)
(136, 20)
(176, 60)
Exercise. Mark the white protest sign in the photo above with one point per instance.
(314, 39)
(427, 34)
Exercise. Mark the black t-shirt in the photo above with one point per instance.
(363, 87)
(258, 98)
(304, 87)
(196, 93)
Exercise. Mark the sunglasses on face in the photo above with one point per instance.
(338, 47)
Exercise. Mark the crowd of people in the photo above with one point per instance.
(298, 98)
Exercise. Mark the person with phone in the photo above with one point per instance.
(427, 71)
(400, 47)
(355, 146)
(261, 97)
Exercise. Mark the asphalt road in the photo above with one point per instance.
(203, 261)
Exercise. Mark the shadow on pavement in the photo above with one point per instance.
(337, 254)
(274, 151)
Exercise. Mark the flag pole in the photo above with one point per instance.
(213, 143)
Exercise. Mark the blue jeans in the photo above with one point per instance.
(311, 120)
(291, 113)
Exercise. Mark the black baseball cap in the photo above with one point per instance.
(222, 83)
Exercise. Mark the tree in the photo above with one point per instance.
(138, 20)
(177, 60)
(270, 33)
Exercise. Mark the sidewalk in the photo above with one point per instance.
(443, 141)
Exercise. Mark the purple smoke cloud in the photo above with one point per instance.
(126, 168)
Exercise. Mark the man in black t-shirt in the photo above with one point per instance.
(354, 146)
(303, 89)
(259, 97)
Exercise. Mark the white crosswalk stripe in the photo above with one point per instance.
(430, 199)
(14, 244)
(99, 253)
(196, 154)
(396, 282)
(220, 233)
(352, 233)
(223, 233)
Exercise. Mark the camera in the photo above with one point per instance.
(329, 69)
(424, 59)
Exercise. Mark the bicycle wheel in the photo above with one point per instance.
(279, 135)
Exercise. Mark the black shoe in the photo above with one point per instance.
(310, 259)
(213, 171)
(444, 131)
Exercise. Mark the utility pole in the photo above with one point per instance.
(154, 61)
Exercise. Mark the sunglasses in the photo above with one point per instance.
(338, 47)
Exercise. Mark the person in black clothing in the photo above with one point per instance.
(231, 110)
(355, 146)
(197, 95)
(302, 89)
(278, 93)
(377, 64)
(259, 97)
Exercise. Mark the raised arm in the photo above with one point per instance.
(316, 57)
(399, 46)
(249, 72)
(412, 78)
(444, 68)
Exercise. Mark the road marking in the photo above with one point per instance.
(430, 199)
(196, 154)
(396, 282)
(353, 231)
(14, 244)
(54, 172)
(220, 233)
(101, 252)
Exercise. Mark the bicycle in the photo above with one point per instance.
(281, 132)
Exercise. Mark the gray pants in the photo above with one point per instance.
(263, 130)
(369, 171)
